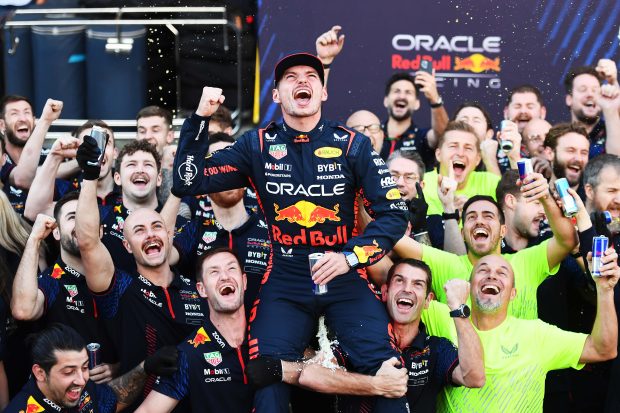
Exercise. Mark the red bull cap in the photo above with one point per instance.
(298, 59)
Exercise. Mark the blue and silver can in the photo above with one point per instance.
(316, 288)
(525, 168)
(599, 245)
(505, 144)
(568, 202)
(94, 355)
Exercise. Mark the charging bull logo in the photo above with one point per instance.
(476, 63)
(306, 213)
(200, 338)
(366, 251)
(57, 272)
(32, 406)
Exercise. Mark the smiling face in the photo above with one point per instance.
(156, 131)
(527, 217)
(476, 119)
(405, 173)
(223, 282)
(147, 238)
(492, 285)
(582, 100)
(406, 294)
(482, 230)
(300, 92)
(524, 107)
(18, 122)
(65, 231)
(459, 149)
(66, 379)
(570, 157)
(401, 101)
(606, 195)
(138, 176)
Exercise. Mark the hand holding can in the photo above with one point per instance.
(312, 260)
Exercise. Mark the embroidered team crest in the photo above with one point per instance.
(57, 272)
(72, 290)
(214, 358)
(278, 151)
(200, 338)
(209, 236)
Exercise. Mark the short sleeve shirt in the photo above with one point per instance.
(517, 356)
(530, 266)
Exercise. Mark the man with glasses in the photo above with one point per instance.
(369, 124)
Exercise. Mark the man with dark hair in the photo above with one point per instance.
(524, 104)
(155, 126)
(59, 293)
(309, 201)
(589, 101)
(401, 100)
(61, 382)
(483, 229)
(569, 149)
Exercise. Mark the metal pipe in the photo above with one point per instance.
(194, 22)
(148, 10)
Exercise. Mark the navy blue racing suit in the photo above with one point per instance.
(307, 185)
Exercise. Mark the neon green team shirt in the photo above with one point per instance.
(530, 267)
(478, 183)
(517, 356)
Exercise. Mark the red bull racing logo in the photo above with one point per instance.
(32, 406)
(200, 338)
(57, 272)
(366, 251)
(477, 63)
(306, 214)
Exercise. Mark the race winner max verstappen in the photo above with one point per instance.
(307, 172)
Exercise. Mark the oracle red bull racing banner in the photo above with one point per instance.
(480, 49)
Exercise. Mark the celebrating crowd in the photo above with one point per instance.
(458, 269)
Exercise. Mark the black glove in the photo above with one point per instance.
(163, 362)
(263, 371)
(88, 158)
(417, 212)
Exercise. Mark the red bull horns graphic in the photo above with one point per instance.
(200, 338)
(477, 63)
(306, 213)
(366, 251)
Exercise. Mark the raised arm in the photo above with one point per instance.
(328, 46)
(27, 301)
(446, 190)
(22, 175)
(536, 188)
(98, 264)
(41, 195)
(439, 116)
(602, 343)
(609, 101)
(470, 370)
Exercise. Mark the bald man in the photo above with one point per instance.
(519, 353)
(369, 124)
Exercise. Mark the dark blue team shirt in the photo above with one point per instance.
(414, 139)
(200, 206)
(250, 242)
(95, 398)
(210, 373)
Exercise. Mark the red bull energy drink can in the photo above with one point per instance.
(525, 168)
(316, 288)
(94, 355)
(599, 245)
(505, 144)
(568, 202)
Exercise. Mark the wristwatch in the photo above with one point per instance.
(351, 258)
(437, 104)
(463, 311)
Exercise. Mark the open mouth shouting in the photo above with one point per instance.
(152, 247)
(480, 234)
(227, 289)
(73, 394)
(489, 289)
(459, 167)
(22, 130)
(302, 95)
(140, 180)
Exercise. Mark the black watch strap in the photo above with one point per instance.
(451, 215)
(463, 311)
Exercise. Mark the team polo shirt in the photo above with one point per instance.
(69, 301)
(210, 373)
(530, 267)
(414, 139)
(95, 398)
(517, 356)
(112, 217)
(478, 183)
(250, 242)
(144, 317)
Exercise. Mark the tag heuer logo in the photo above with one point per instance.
(209, 236)
(214, 358)
(277, 151)
(72, 289)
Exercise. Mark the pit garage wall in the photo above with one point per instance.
(481, 49)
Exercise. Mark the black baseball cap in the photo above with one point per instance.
(298, 59)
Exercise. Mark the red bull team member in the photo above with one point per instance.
(307, 172)
(147, 309)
